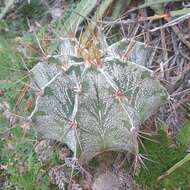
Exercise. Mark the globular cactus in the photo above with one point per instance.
(95, 103)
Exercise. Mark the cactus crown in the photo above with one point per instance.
(96, 103)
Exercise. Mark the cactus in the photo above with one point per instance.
(96, 102)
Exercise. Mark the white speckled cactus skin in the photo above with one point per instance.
(96, 108)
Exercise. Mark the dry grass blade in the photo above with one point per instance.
(172, 22)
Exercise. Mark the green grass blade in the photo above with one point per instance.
(98, 15)
(6, 8)
(174, 167)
